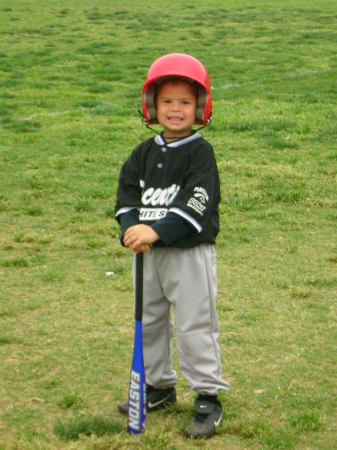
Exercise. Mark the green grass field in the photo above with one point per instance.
(71, 74)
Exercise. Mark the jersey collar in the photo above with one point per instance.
(161, 141)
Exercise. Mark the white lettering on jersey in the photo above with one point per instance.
(159, 196)
(151, 214)
(146, 197)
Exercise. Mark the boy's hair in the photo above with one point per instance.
(174, 80)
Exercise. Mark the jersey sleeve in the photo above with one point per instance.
(129, 190)
(126, 221)
(200, 192)
(171, 228)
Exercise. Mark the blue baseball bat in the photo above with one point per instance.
(137, 386)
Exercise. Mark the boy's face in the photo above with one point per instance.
(176, 108)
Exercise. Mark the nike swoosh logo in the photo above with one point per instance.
(153, 405)
(218, 422)
(203, 406)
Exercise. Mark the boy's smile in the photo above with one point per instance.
(176, 108)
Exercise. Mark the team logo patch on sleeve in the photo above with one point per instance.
(199, 200)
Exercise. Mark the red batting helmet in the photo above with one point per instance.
(178, 65)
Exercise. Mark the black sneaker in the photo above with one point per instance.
(208, 417)
(155, 399)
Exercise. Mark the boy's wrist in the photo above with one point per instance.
(154, 234)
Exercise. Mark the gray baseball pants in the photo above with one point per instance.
(184, 280)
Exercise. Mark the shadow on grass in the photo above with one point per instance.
(86, 426)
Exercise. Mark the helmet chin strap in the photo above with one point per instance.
(178, 137)
(144, 123)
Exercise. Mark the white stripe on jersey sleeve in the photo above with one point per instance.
(187, 217)
(124, 210)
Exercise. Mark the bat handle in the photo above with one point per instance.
(139, 286)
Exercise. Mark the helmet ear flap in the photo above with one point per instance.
(149, 99)
(201, 104)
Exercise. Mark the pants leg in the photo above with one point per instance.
(157, 328)
(189, 281)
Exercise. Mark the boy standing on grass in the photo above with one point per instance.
(167, 206)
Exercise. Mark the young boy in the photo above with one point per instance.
(167, 206)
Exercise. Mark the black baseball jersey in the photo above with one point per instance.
(180, 177)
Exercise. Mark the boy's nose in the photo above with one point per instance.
(175, 106)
